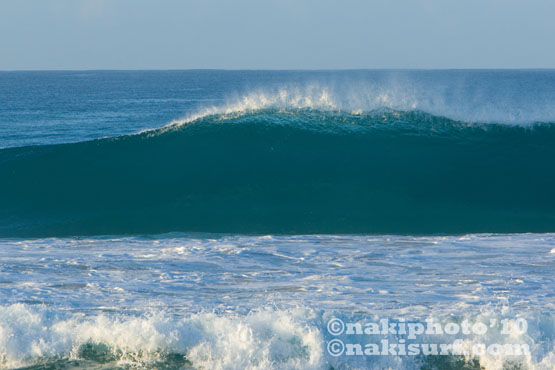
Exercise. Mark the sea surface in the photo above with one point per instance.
(277, 219)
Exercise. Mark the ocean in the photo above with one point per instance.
(204, 219)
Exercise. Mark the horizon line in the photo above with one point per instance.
(275, 69)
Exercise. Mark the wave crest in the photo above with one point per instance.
(357, 97)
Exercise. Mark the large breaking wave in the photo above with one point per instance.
(299, 168)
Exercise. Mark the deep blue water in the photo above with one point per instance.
(220, 219)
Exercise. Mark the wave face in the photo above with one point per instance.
(288, 171)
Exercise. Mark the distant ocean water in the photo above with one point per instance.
(232, 220)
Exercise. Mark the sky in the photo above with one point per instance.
(276, 34)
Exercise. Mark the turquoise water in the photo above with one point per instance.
(288, 171)
(213, 219)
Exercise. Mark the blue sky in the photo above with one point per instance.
(276, 34)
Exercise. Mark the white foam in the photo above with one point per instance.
(152, 288)
(263, 339)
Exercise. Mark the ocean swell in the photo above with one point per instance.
(288, 170)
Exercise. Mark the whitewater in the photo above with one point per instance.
(265, 220)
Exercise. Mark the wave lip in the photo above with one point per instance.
(288, 171)
(480, 104)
